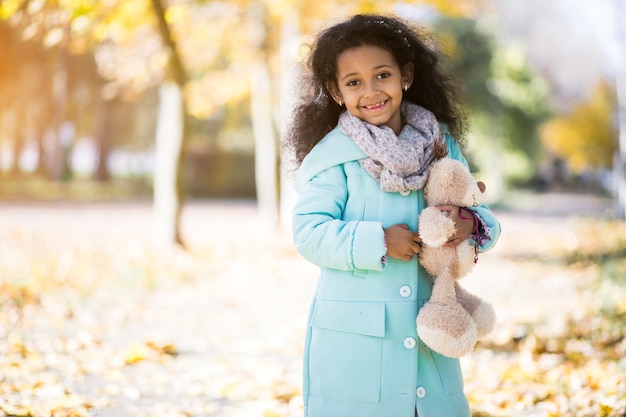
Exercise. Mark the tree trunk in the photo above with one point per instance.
(103, 138)
(619, 164)
(170, 143)
(42, 127)
(290, 37)
(265, 163)
(496, 181)
(58, 168)
(265, 147)
(19, 138)
(619, 169)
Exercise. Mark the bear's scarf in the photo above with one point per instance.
(398, 163)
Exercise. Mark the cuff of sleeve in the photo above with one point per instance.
(494, 226)
(368, 247)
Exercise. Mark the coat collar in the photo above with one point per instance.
(335, 148)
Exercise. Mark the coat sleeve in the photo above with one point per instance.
(323, 237)
(483, 211)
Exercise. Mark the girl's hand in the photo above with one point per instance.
(402, 243)
(464, 226)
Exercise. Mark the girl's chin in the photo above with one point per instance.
(377, 119)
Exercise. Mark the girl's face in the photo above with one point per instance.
(370, 84)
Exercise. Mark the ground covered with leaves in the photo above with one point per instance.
(96, 321)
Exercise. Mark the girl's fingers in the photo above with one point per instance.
(452, 243)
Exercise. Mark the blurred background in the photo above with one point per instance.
(141, 171)
(82, 84)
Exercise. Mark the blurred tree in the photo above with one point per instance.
(75, 26)
(620, 86)
(9, 74)
(198, 46)
(58, 79)
(171, 136)
(27, 87)
(585, 137)
(262, 105)
(507, 100)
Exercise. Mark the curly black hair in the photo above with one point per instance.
(317, 113)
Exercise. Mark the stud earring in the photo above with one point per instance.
(340, 102)
(406, 87)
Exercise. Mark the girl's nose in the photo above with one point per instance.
(371, 89)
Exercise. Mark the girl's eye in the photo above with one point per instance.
(384, 75)
(352, 83)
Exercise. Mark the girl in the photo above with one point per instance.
(378, 110)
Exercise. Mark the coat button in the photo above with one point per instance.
(409, 343)
(421, 392)
(405, 291)
(405, 192)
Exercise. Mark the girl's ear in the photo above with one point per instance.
(334, 92)
(407, 75)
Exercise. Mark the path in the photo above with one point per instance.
(234, 308)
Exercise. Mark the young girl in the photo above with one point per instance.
(378, 111)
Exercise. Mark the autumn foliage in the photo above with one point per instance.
(95, 321)
(585, 137)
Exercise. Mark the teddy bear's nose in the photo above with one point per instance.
(481, 186)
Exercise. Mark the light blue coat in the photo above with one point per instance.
(362, 354)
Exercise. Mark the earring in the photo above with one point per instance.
(340, 102)
(406, 87)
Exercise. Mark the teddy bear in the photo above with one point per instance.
(453, 319)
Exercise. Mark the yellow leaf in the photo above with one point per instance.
(169, 349)
(141, 351)
(16, 411)
(138, 352)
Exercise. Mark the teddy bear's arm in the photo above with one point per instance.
(435, 228)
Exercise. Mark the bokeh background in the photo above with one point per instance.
(146, 267)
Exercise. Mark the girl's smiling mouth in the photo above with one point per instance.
(376, 106)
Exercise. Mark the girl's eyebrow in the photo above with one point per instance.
(376, 68)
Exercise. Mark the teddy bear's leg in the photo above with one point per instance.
(443, 324)
(481, 311)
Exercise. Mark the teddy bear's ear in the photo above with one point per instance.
(441, 149)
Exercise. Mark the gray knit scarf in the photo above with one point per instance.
(398, 163)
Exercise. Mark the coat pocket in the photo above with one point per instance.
(345, 354)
